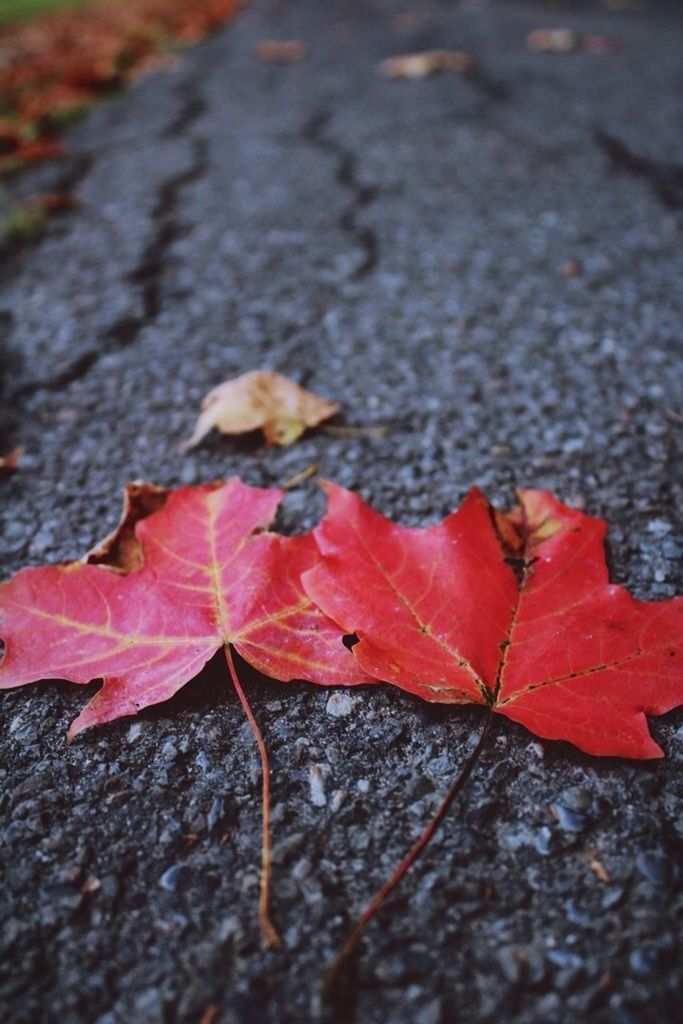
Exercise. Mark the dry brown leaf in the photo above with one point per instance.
(120, 550)
(420, 65)
(566, 40)
(552, 40)
(281, 51)
(260, 399)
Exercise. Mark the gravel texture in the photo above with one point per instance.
(487, 264)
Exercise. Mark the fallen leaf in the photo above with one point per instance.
(552, 40)
(121, 550)
(53, 66)
(260, 399)
(289, 51)
(421, 65)
(11, 460)
(211, 577)
(511, 611)
(565, 40)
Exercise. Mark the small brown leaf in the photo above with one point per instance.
(279, 51)
(565, 40)
(421, 65)
(120, 550)
(552, 40)
(260, 399)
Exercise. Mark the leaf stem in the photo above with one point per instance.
(269, 935)
(405, 864)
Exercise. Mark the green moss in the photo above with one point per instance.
(23, 220)
(16, 10)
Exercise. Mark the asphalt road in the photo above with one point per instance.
(488, 264)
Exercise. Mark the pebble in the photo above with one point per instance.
(543, 840)
(339, 704)
(429, 1014)
(654, 866)
(337, 799)
(511, 959)
(149, 1007)
(286, 846)
(577, 798)
(646, 960)
(567, 819)
(563, 958)
(169, 751)
(612, 897)
(215, 812)
(517, 836)
(316, 781)
(175, 877)
(109, 888)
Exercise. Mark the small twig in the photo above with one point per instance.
(269, 935)
(406, 863)
(673, 415)
(210, 1014)
(299, 478)
(356, 431)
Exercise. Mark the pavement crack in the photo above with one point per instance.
(147, 276)
(493, 89)
(666, 180)
(361, 196)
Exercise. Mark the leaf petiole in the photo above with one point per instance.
(269, 935)
(333, 971)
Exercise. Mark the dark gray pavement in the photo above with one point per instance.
(398, 246)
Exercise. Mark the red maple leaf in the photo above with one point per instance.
(514, 612)
(210, 577)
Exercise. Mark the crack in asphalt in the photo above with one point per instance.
(666, 180)
(365, 239)
(147, 276)
(492, 88)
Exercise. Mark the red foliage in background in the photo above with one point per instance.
(52, 66)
